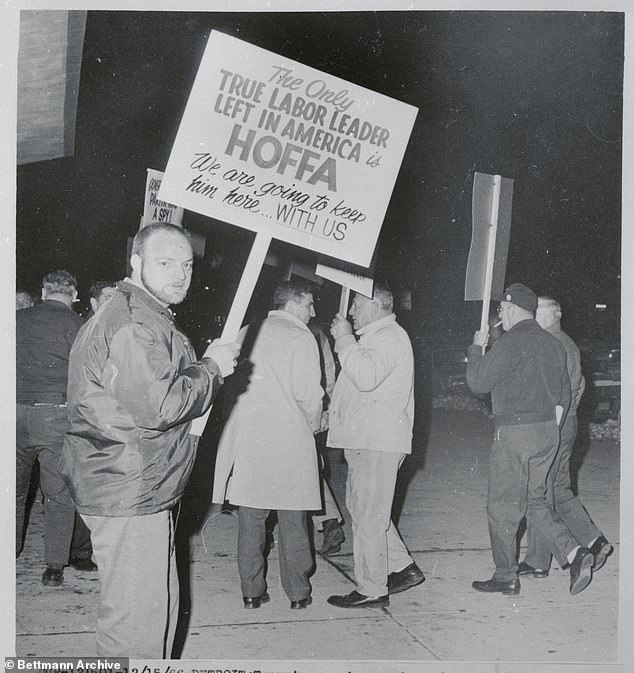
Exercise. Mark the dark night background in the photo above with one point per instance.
(533, 96)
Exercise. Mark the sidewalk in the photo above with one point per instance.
(442, 521)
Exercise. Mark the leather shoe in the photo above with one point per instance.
(53, 577)
(601, 549)
(524, 569)
(508, 588)
(251, 603)
(405, 579)
(82, 563)
(357, 600)
(581, 570)
(301, 604)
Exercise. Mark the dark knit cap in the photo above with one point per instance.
(521, 296)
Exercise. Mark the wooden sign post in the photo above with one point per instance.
(249, 278)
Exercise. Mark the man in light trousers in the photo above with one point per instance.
(371, 418)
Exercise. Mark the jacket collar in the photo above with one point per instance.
(56, 304)
(285, 315)
(527, 323)
(142, 295)
(377, 324)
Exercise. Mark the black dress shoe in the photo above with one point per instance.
(601, 549)
(53, 577)
(508, 588)
(405, 579)
(524, 569)
(357, 600)
(301, 604)
(581, 570)
(82, 563)
(251, 603)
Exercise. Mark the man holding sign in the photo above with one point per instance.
(525, 372)
(371, 417)
(133, 388)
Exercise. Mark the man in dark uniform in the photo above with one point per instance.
(44, 336)
(525, 372)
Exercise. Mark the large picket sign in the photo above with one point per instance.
(491, 207)
(288, 151)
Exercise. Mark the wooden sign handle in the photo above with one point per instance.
(239, 307)
(343, 301)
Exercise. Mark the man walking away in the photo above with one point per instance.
(536, 563)
(44, 336)
(525, 372)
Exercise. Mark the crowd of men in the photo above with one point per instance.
(105, 406)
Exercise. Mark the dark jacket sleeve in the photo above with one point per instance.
(484, 372)
(141, 377)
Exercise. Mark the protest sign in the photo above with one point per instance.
(349, 281)
(306, 271)
(156, 210)
(285, 150)
(491, 206)
(361, 284)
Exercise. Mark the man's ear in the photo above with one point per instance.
(136, 263)
(93, 304)
(291, 306)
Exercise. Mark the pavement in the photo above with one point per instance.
(439, 625)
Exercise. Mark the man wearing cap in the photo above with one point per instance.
(536, 563)
(525, 372)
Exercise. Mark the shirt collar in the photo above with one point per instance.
(377, 324)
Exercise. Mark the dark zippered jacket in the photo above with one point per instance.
(133, 388)
(44, 336)
(525, 372)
